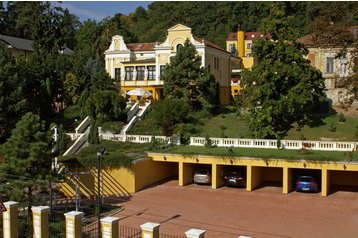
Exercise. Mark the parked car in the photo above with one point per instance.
(202, 176)
(234, 179)
(306, 184)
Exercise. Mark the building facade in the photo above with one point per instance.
(334, 69)
(141, 65)
(240, 43)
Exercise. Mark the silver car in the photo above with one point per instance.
(202, 177)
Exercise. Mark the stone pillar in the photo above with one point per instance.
(110, 227)
(254, 177)
(73, 224)
(40, 221)
(325, 183)
(10, 220)
(185, 174)
(195, 233)
(150, 230)
(217, 176)
(287, 180)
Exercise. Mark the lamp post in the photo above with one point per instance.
(100, 153)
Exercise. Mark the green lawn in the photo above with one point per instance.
(267, 153)
(230, 125)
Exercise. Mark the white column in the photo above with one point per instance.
(40, 221)
(73, 224)
(150, 230)
(195, 233)
(10, 220)
(110, 227)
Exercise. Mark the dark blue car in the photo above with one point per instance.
(306, 184)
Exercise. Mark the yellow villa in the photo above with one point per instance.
(240, 44)
(141, 65)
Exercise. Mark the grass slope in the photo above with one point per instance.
(235, 126)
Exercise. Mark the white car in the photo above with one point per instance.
(202, 176)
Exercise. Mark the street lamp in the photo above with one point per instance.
(100, 153)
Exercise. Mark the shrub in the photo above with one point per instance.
(222, 127)
(332, 128)
(278, 143)
(341, 118)
(112, 126)
(302, 137)
(208, 142)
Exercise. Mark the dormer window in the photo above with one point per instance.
(179, 46)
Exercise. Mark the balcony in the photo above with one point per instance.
(141, 83)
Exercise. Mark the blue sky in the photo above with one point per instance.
(98, 10)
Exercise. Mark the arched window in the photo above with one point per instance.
(179, 46)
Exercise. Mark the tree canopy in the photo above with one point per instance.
(282, 87)
(185, 79)
(27, 166)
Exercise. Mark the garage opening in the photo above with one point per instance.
(266, 177)
(346, 181)
(299, 176)
(234, 176)
(203, 174)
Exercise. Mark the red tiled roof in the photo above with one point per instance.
(141, 46)
(308, 39)
(251, 35)
(210, 44)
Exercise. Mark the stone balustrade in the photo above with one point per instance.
(272, 144)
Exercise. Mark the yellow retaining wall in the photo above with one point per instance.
(120, 180)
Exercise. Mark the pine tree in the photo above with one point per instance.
(27, 167)
(185, 79)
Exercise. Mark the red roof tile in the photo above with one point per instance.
(141, 46)
(251, 35)
(210, 44)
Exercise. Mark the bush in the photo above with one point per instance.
(341, 118)
(332, 128)
(208, 142)
(222, 127)
(302, 137)
(114, 127)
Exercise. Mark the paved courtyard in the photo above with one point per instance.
(230, 212)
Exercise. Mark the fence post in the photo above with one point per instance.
(40, 221)
(195, 233)
(150, 230)
(110, 227)
(11, 220)
(73, 224)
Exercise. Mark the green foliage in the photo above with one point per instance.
(27, 164)
(103, 106)
(185, 79)
(332, 127)
(341, 118)
(71, 87)
(112, 126)
(63, 141)
(13, 103)
(93, 137)
(117, 154)
(208, 142)
(282, 87)
(168, 113)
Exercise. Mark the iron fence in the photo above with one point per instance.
(25, 224)
(89, 230)
(129, 232)
(162, 235)
(57, 225)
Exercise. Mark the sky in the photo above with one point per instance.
(97, 10)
